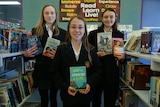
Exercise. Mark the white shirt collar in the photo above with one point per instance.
(50, 33)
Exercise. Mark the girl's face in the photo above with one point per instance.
(76, 29)
(49, 15)
(108, 18)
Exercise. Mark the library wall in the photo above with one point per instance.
(129, 14)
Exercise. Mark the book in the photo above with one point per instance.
(104, 42)
(34, 40)
(78, 77)
(4, 98)
(130, 99)
(154, 91)
(14, 39)
(133, 43)
(51, 43)
(155, 47)
(140, 75)
(146, 39)
(118, 45)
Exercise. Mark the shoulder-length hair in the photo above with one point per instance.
(114, 27)
(39, 28)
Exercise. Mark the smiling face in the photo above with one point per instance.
(49, 15)
(109, 18)
(76, 29)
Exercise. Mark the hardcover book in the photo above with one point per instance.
(118, 45)
(104, 42)
(34, 40)
(146, 39)
(155, 42)
(78, 78)
(50, 44)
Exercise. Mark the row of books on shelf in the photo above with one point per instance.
(14, 91)
(137, 75)
(127, 98)
(144, 41)
(18, 41)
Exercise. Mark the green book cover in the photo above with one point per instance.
(78, 78)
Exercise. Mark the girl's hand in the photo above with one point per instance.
(51, 53)
(85, 91)
(31, 51)
(120, 56)
(72, 91)
(101, 54)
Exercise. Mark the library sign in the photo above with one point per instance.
(91, 10)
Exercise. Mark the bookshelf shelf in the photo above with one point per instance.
(154, 65)
(142, 94)
(155, 60)
(5, 55)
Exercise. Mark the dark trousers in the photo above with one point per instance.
(77, 105)
(48, 95)
(110, 92)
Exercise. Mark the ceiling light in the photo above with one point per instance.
(10, 3)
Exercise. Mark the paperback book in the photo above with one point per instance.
(34, 40)
(78, 78)
(50, 44)
(118, 45)
(104, 42)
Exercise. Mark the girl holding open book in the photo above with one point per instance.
(76, 52)
(42, 75)
(110, 72)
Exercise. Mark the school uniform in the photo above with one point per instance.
(42, 75)
(110, 73)
(65, 58)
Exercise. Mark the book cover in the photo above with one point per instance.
(154, 91)
(34, 40)
(140, 75)
(131, 99)
(51, 43)
(134, 43)
(146, 39)
(4, 98)
(23, 42)
(78, 78)
(14, 38)
(155, 47)
(104, 42)
(118, 45)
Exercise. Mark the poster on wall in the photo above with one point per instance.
(91, 10)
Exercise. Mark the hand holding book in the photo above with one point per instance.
(51, 47)
(31, 51)
(86, 90)
(72, 91)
